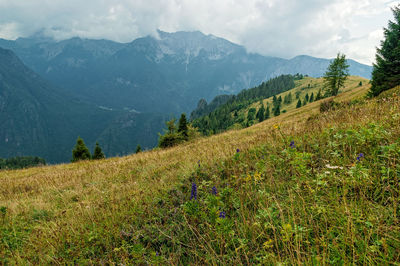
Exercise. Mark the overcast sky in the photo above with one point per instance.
(283, 28)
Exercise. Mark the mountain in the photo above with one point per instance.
(39, 119)
(167, 73)
(120, 94)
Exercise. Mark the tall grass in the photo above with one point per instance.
(309, 202)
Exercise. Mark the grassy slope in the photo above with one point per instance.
(136, 208)
(316, 84)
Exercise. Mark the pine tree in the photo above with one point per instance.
(80, 151)
(386, 70)
(336, 74)
(138, 148)
(267, 113)
(311, 97)
(307, 97)
(319, 95)
(98, 153)
(277, 110)
(183, 127)
(298, 105)
(260, 113)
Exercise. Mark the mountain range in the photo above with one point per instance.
(120, 94)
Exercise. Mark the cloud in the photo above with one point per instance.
(270, 27)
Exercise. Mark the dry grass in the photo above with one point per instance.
(74, 194)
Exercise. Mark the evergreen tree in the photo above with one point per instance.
(98, 153)
(183, 127)
(307, 97)
(138, 148)
(298, 105)
(267, 113)
(277, 110)
(280, 99)
(311, 97)
(386, 70)
(336, 74)
(171, 136)
(260, 113)
(319, 95)
(80, 151)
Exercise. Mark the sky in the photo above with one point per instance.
(283, 28)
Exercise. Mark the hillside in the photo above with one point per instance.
(304, 187)
(233, 111)
(39, 119)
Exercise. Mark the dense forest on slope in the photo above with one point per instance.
(222, 118)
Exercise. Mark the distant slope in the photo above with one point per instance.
(38, 119)
(234, 113)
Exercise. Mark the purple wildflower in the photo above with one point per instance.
(361, 155)
(237, 150)
(214, 191)
(198, 163)
(222, 214)
(292, 145)
(193, 195)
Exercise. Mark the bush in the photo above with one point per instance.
(328, 105)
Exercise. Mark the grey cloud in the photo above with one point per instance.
(270, 27)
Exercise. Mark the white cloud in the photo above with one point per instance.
(270, 27)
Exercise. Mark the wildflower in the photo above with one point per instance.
(361, 155)
(198, 163)
(222, 214)
(292, 145)
(193, 195)
(237, 150)
(276, 126)
(214, 191)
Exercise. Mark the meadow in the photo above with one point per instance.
(302, 188)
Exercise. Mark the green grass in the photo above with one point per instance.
(314, 203)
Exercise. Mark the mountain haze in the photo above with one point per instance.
(39, 119)
(168, 73)
(120, 94)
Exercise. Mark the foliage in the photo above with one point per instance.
(21, 162)
(138, 149)
(80, 151)
(175, 135)
(336, 74)
(98, 153)
(316, 191)
(222, 118)
(299, 104)
(183, 127)
(386, 70)
(327, 105)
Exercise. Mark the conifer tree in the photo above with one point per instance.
(183, 127)
(307, 97)
(80, 151)
(260, 114)
(138, 148)
(267, 113)
(311, 97)
(298, 105)
(98, 153)
(277, 110)
(386, 70)
(319, 95)
(336, 74)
